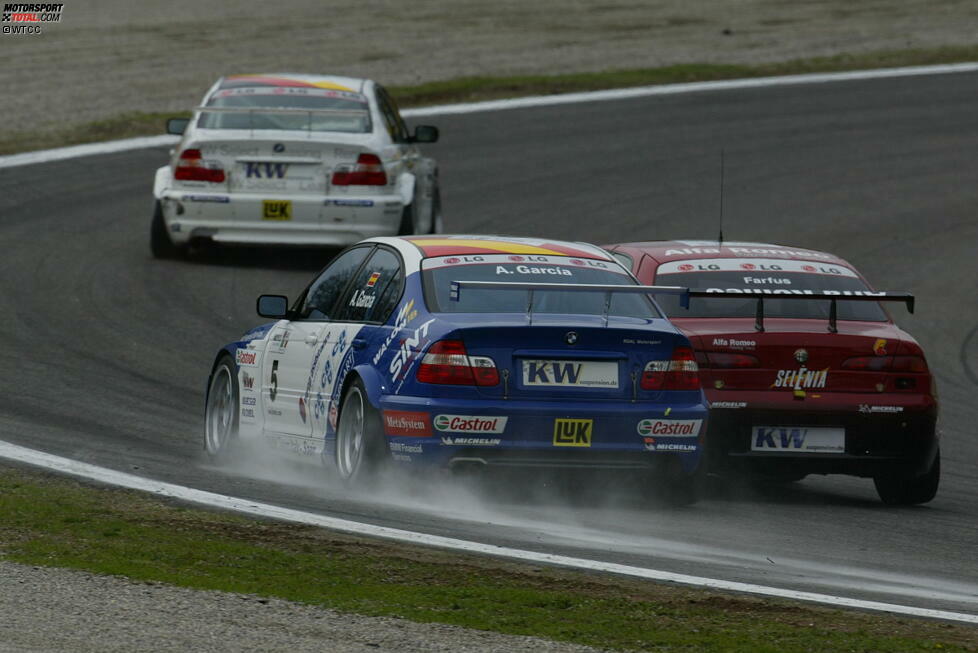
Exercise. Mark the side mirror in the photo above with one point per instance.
(425, 134)
(274, 306)
(177, 125)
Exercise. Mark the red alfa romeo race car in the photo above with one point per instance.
(804, 370)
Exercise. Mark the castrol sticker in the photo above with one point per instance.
(470, 424)
(676, 428)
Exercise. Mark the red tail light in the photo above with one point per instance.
(192, 167)
(447, 362)
(368, 171)
(679, 373)
(731, 361)
(886, 364)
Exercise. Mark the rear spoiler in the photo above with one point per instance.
(455, 290)
(251, 111)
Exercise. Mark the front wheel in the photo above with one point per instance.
(902, 491)
(221, 414)
(360, 447)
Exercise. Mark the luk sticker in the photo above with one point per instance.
(573, 432)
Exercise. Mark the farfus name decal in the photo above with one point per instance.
(801, 378)
(470, 424)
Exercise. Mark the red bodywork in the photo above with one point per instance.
(870, 378)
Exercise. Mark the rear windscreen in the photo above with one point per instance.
(770, 276)
(438, 273)
(306, 109)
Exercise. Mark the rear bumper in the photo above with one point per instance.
(543, 434)
(902, 442)
(237, 218)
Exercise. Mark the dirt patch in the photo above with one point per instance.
(109, 57)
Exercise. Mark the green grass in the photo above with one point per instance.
(47, 520)
(474, 89)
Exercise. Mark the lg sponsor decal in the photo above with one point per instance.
(470, 424)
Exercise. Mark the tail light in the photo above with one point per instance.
(679, 373)
(447, 362)
(731, 361)
(192, 167)
(368, 171)
(886, 364)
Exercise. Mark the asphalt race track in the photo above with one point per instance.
(106, 351)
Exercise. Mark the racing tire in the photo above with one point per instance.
(361, 451)
(221, 412)
(903, 491)
(159, 240)
(437, 221)
(407, 221)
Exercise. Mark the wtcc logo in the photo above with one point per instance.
(28, 16)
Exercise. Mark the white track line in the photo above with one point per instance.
(224, 502)
(61, 153)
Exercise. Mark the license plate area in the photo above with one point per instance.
(817, 440)
(548, 373)
(276, 210)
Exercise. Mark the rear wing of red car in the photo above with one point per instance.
(834, 296)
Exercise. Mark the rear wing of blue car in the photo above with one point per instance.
(685, 294)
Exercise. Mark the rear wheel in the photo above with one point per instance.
(221, 414)
(407, 221)
(159, 240)
(360, 447)
(903, 491)
(437, 222)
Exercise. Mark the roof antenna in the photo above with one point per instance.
(720, 239)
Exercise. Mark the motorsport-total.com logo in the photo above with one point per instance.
(26, 18)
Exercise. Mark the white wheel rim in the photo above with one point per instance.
(349, 446)
(220, 410)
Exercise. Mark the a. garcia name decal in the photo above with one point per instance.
(470, 424)
(677, 428)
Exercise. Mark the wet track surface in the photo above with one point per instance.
(106, 351)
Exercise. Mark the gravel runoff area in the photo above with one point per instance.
(107, 57)
(82, 612)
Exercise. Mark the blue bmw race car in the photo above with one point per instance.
(458, 351)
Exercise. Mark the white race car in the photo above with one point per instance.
(285, 159)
